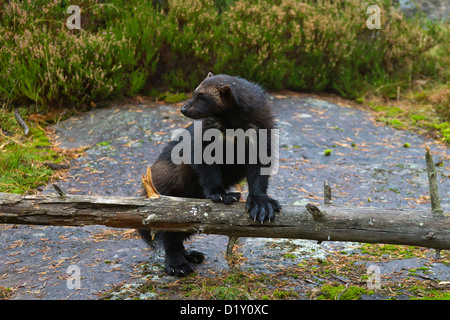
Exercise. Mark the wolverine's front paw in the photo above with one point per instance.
(181, 269)
(226, 198)
(262, 207)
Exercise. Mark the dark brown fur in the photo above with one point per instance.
(221, 102)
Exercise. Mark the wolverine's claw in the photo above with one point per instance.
(227, 197)
(262, 208)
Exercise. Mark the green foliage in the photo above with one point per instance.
(332, 292)
(22, 158)
(125, 48)
(44, 62)
(5, 292)
(424, 293)
(444, 128)
(440, 98)
(175, 97)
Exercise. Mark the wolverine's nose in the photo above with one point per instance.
(186, 107)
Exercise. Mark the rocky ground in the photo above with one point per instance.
(369, 166)
(433, 9)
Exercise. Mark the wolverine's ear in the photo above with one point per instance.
(209, 75)
(226, 93)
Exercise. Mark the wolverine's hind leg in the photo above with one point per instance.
(179, 262)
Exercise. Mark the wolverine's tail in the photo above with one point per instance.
(148, 236)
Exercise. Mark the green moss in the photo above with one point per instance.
(328, 152)
(423, 293)
(389, 111)
(104, 143)
(5, 292)
(290, 256)
(389, 250)
(284, 294)
(412, 272)
(421, 117)
(444, 128)
(175, 97)
(394, 122)
(229, 293)
(424, 269)
(329, 292)
(23, 158)
(418, 117)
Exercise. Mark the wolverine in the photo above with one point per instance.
(220, 102)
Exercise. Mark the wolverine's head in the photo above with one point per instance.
(212, 98)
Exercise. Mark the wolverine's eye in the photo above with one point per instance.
(202, 98)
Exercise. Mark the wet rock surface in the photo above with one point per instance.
(433, 9)
(368, 166)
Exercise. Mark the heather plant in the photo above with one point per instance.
(41, 60)
(188, 34)
(250, 34)
(124, 48)
(320, 45)
(440, 97)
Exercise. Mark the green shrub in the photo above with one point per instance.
(440, 98)
(128, 47)
(188, 33)
(22, 159)
(323, 45)
(44, 62)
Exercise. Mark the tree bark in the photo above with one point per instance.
(321, 223)
(433, 184)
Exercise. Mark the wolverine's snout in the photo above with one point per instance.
(185, 109)
(189, 111)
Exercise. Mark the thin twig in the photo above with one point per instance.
(340, 294)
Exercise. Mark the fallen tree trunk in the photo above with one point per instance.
(321, 223)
